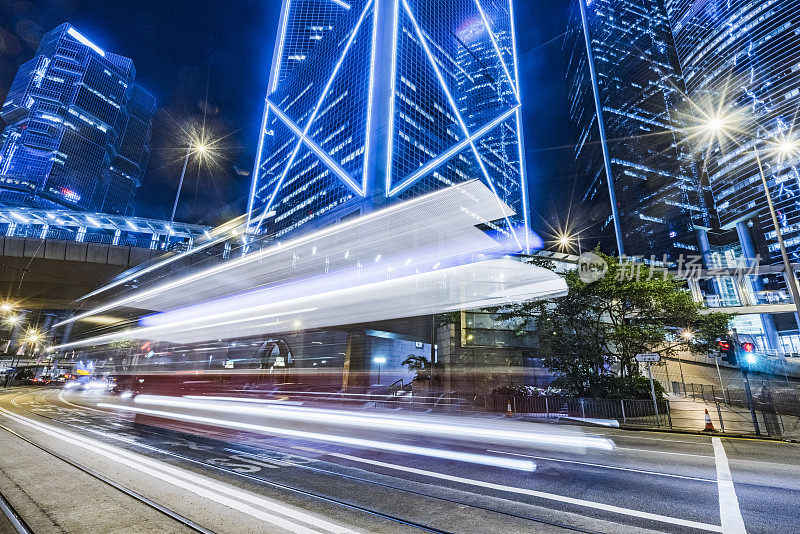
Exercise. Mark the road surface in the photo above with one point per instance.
(79, 461)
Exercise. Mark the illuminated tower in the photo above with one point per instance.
(641, 196)
(374, 101)
(743, 55)
(77, 128)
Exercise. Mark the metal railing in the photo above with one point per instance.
(629, 412)
(770, 405)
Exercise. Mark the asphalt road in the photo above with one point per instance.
(317, 474)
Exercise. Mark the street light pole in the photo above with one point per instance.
(790, 277)
(180, 185)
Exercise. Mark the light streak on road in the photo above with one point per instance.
(457, 430)
(280, 514)
(482, 459)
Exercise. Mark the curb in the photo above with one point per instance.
(717, 434)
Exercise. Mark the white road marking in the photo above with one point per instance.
(649, 451)
(632, 470)
(65, 401)
(199, 485)
(539, 494)
(701, 442)
(731, 516)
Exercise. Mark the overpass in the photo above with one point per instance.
(50, 259)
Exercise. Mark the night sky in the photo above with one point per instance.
(210, 58)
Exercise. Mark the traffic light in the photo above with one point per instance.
(749, 353)
(727, 350)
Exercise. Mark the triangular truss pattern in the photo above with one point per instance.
(433, 53)
(453, 105)
(309, 102)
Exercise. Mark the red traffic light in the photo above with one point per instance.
(724, 345)
(748, 347)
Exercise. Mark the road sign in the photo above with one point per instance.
(648, 357)
(715, 355)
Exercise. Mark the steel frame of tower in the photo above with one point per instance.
(362, 190)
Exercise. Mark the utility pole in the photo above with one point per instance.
(746, 384)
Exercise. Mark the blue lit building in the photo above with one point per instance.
(640, 195)
(747, 52)
(77, 128)
(374, 101)
(743, 57)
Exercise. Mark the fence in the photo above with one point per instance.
(629, 412)
(770, 405)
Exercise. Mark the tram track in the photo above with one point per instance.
(107, 481)
(325, 498)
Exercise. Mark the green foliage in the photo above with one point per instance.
(590, 337)
(526, 391)
(419, 364)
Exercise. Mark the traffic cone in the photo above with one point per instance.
(709, 425)
(509, 412)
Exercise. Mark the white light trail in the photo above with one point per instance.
(384, 423)
(152, 268)
(495, 461)
(330, 234)
(293, 520)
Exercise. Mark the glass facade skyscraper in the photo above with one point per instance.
(78, 128)
(743, 57)
(640, 194)
(374, 101)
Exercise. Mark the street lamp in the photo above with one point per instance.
(379, 360)
(566, 241)
(205, 150)
(33, 337)
(718, 125)
(7, 306)
(12, 320)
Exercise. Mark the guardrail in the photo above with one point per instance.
(770, 405)
(629, 412)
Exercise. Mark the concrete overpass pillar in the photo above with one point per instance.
(749, 252)
(355, 371)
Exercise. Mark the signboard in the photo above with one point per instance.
(648, 357)
(715, 355)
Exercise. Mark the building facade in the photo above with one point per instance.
(374, 101)
(77, 128)
(640, 192)
(741, 59)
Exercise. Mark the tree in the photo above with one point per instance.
(590, 338)
(419, 365)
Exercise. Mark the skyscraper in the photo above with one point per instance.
(374, 101)
(640, 195)
(78, 128)
(740, 60)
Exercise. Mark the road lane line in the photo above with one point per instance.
(65, 401)
(729, 512)
(539, 494)
(632, 470)
(632, 437)
(661, 452)
(202, 486)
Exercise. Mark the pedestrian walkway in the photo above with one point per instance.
(689, 414)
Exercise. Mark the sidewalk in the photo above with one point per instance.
(689, 415)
